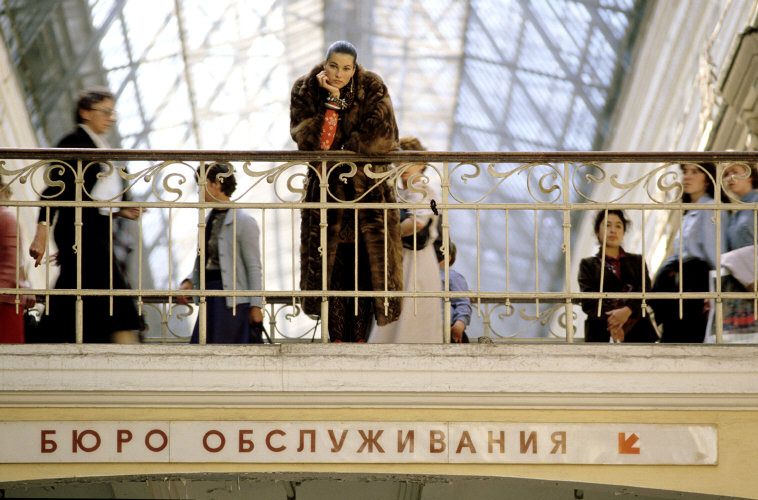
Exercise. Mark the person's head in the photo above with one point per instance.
(451, 251)
(220, 181)
(96, 109)
(612, 229)
(697, 180)
(340, 63)
(410, 143)
(740, 178)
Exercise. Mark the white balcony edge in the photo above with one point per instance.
(315, 375)
(546, 401)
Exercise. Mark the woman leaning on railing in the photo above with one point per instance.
(339, 105)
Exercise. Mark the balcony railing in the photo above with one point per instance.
(517, 218)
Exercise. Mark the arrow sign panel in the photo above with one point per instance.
(626, 444)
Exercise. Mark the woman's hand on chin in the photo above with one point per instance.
(323, 82)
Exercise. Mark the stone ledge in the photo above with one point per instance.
(542, 401)
(522, 375)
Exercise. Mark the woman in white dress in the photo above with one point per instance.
(421, 317)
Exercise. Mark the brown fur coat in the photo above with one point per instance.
(367, 126)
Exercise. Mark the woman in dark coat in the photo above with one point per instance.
(619, 319)
(94, 117)
(339, 105)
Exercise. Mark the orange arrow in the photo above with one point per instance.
(626, 444)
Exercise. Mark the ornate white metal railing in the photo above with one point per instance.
(546, 196)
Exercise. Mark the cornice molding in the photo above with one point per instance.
(544, 401)
(341, 375)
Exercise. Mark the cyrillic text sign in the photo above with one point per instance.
(357, 442)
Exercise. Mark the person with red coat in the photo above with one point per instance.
(11, 315)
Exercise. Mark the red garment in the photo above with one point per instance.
(8, 250)
(328, 129)
(614, 264)
(12, 331)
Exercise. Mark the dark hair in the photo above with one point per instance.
(600, 217)
(90, 97)
(753, 174)
(709, 170)
(410, 143)
(222, 172)
(452, 251)
(342, 47)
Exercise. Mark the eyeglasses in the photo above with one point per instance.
(106, 111)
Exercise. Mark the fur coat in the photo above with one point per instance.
(368, 126)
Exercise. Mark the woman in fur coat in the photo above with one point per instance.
(339, 105)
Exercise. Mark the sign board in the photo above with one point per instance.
(357, 442)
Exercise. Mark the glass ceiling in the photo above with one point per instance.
(475, 75)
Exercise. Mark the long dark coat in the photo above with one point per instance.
(59, 325)
(368, 126)
(637, 328)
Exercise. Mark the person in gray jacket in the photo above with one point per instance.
(224, 325)
(697, 244)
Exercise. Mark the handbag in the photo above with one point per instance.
(33, 331)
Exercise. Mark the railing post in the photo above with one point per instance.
(78, 242)
(487, 327)
(271, 320)
(487, 322)
(202, 306)
(719, 317)
(166, 310)
(47, 260)
(445, 185)
(567, 252)
(264, 265)
(140, 243)
(164, 323)
(110, 259)
(17, 299)
(643, 285)
(234, 262)
(324, 250)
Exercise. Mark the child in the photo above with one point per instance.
(460, 310)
